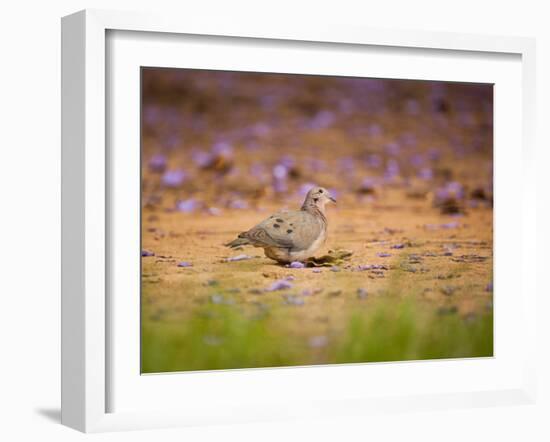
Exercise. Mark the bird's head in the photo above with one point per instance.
(318, 196)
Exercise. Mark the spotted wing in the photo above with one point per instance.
(296, 230)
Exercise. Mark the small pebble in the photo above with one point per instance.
(316, 270)
(362, 293)
(489, 287)
(383, 255)
(185, 264)
(335, 269)
(397, 246)
(147, 253)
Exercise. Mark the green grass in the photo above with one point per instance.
(224, 337)
(219, 337)
(408, 332)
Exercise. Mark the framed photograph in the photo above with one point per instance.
(264, 222)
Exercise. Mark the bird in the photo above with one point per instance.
(291, 236)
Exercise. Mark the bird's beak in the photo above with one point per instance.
(332, 199)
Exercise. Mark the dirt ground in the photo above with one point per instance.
(450, 267)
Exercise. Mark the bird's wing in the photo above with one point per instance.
(296, 230)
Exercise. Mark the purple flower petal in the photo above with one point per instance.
(293, 300)
(158, 163)
(280, 186)
(288, 161)
(322, 120)
(297, 265)
(217, 299)
(238, 258)
(223, 148)
(375, 130)
(412, 107)
(425, 173)
(281, 284)
(201, 158)
(372, 267)
(173, 178)
(392, 149)
(374, 161)
(280, 172)
(187, 206)
(452, 225)
(318, 341)
(305, 188)
(238, 204)
(214, 211)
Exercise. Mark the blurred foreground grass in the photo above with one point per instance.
(225, 337)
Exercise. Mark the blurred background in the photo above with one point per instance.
(214, 140)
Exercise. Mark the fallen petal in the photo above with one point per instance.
(297, 265)
(318, 341)
(238, 258)
(293, 300)
(281, 284)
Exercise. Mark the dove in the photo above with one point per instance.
(292, 235)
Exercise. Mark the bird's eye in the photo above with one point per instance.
(320, 190)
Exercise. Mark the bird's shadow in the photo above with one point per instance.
(51, 414)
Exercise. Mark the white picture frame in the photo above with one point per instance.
(85, 209)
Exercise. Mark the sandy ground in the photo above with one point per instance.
(449, 267)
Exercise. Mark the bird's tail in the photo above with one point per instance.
(241, 240)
